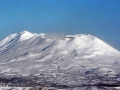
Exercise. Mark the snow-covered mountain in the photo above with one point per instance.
(61, 59)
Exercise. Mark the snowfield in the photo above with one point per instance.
(58, 60)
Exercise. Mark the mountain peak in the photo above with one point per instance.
(24, 35)
(13, 39)
(25, 31)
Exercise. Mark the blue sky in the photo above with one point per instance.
(100, 18)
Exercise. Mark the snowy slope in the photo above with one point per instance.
(63, 59)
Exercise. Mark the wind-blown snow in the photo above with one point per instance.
(60, 59)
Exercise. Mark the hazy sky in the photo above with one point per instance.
(100, 18)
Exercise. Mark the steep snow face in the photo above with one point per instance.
(60, 57)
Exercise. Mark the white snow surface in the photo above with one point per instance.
(15, 88)
(25, 53)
